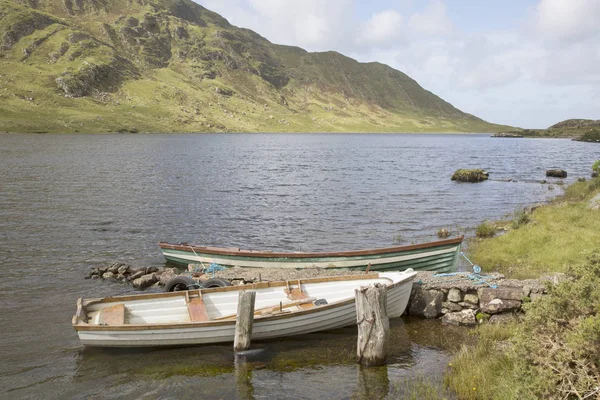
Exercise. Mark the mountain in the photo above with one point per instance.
(585, 130)
(174, 66)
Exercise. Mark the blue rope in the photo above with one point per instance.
(213, 267)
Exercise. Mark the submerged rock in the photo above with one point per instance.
(556, 173)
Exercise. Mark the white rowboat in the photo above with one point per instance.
(207, 316)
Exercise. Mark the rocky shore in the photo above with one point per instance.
(460, 298)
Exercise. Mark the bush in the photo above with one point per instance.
(485, 229)
(596, 167)
(521, 218)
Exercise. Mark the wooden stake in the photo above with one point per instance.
(244, 320)
(373, 324)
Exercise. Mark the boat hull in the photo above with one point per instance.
(331, 316)
(439, 256)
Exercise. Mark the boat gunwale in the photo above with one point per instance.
(268, 254)
(83, 326)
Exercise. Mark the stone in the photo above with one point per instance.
(167, 275)
(452, 307)
(455, 295)
(526, 290)
(497, 306)
(123, 269)
(556, 173)
(504, 293)
(145, 281)
(103, 269)
(461, 318)
(149, 270)
(114, 268)
(108, 275)
(502, 318)
(426, 303)
(136, 275)
(470, 175)
(470, 306)
(471, 298)
(594, 203)
(555, 278)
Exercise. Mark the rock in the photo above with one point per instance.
(121, 277)
(532, 208)
(555, 278)
(556, 173)
(167, 275)
(443, 233)
(136, 275)
(96, 277)
(455, 295)
(594, 174)
(103, 269)
(114, 268)
(594, 203)
(503, 293)
(468, 305)
(502, 318)
(123, 269)
(470, 175)
(461, 318)
(452, 307)
(145, 281)
(150, 270)
(497, 306)
(526, 290)
(108, 275)
(471, 298)
(507, 135)
(535, 296)
(426, 303)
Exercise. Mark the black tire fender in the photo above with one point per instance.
(216, 282)
(180, 283)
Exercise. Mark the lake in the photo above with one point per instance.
(72, 202)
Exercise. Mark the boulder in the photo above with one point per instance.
(451, 307)
(455, 295)
(471, 298)
(123, 269)
(503, 293)
(114, 268)
(594, 203)
(470, 175)
(497, 306)
(461, 318)
(426, 303)
(556, 173)
(108, 275)
(136, 275)
(145, 281)
(167, 275)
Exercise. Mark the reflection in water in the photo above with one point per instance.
(372, 383)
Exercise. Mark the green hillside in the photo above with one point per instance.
(173, 66)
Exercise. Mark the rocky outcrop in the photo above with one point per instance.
(556, 173)
(470, 175)
(95, 77)
(507, 135)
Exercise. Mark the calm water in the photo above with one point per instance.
(72, 202)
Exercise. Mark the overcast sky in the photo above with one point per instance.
(527, 63)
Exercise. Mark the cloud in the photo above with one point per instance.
(433, 21)
(567, 19)
(382, 29)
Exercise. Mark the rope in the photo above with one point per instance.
(213, 267)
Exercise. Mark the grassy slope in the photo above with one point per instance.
(172, 67)
(558, 235)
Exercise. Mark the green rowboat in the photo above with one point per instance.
(440, 256)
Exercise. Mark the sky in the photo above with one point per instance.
(525, 63)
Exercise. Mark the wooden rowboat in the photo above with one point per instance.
(440, 256)
(207, 316)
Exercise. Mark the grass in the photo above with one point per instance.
(555, 236)
(486, 229)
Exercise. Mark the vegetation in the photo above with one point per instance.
(553, 350)
(596, 167)
(470, 175)
(485, 229)
(587, 130)
(173, 66)
(556, 236)
(552, 353)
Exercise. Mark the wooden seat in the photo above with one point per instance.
(197, 310)
(298, 294)
(113, 315)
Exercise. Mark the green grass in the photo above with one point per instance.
(485, 230)
(326, 92)
(556, 235)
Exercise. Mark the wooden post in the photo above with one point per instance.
(373, 324)
(244, 320)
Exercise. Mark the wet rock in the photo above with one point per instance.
(96, 277)
(426, 303)
(103, 269)
(145, 281)
(461, 318)
(556, 173)
(455, 295)
(136, 275)
(108, 275)
(114, 268)
(497, 306)
(123, 269)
